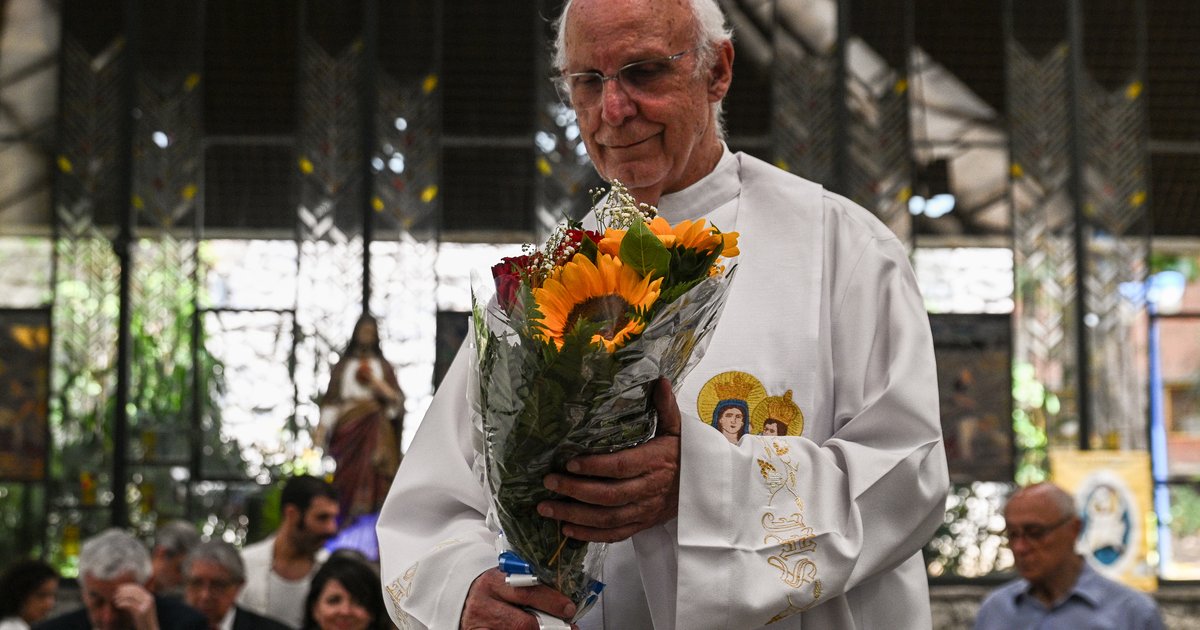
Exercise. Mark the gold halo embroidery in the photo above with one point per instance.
(728, 386)
(779, 409)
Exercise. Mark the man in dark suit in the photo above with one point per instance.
(113, 570)
(213, 576)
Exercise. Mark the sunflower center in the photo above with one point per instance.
(606, 310)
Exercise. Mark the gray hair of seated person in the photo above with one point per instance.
(176, 537)
(112, 554)
(220, 553)
(710, 30)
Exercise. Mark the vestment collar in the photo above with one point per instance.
(711, 191)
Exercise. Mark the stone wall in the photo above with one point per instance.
(954, 607)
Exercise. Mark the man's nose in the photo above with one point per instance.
(615, 103)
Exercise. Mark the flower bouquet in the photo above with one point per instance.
(567, 355)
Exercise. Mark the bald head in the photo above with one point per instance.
(1054, 500)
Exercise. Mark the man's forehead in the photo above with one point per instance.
(631, 26)
(207, 566)
(1030, 505)
(322, 504)
(93, 583)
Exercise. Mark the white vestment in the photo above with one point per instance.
(820, 530)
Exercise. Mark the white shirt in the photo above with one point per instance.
(269, 594)
(13, 623)
(819, 530)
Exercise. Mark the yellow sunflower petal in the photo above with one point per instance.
(581, 280)
(611, 242)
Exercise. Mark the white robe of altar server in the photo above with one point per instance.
(822, 530)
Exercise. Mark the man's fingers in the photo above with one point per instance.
(632, 462)
(669, 419)
(598, 491)
(491, 603)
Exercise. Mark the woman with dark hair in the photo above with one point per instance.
(345, 595)
(28, 589)
(361, 417)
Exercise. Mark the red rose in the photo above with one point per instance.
(508, 273)
(572, 239)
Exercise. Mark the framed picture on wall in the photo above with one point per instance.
(24, 393)
(974, 367)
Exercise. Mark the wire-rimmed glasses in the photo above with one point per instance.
(1034, 533)
(643, 78)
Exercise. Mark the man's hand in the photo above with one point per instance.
(493, 604)
(620, 494)
(137, 602)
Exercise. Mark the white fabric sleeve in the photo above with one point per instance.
(433, 536)
(777, 525)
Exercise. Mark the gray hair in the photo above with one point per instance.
(113, 553)
(710, 30)
(177, 537)
(220, 553)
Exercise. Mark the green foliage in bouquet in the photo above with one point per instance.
(568, 355)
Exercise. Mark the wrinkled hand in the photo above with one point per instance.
(137, 602)
(495, 605)
(620, 494)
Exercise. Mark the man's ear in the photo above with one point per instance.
(722, 72)
(291, 514)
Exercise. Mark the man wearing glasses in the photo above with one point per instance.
(821, 528)
(1057, 588)
(213, 576)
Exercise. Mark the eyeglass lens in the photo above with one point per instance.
(639, 79)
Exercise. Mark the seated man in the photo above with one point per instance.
(1057, 588)
(280, 568)
(172, 542)
(113, 570)
(213, 576)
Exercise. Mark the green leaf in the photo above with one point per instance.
(642, 250)
(588, 248)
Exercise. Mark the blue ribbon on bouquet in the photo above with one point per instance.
(520, 572)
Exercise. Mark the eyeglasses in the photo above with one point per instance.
(647, 77)
(1034, 533)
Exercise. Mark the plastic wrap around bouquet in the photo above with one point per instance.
(567, 354)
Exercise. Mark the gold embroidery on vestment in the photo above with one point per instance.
(399, 590)
(793, 537)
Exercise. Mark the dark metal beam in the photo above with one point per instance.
(123, 248)
(1083, 357)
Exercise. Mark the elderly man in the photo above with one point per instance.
(113, 570)
(213, 577)
(172, 542)
(280, 568)
(819, 528)
(1057, 589)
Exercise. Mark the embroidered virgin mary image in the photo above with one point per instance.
(725, 402)
(737, 404)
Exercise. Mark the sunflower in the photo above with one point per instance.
(602, 292)
(687, 234)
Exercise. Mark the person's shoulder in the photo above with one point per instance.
(174, 613)
(839, 212)
(263, 547)
(1112, 591)
(13, 623)
(1005, 594)
(75, 620)
(244, 619)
